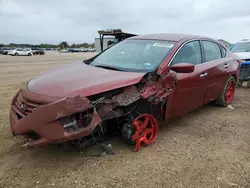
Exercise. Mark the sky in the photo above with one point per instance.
(77, 21)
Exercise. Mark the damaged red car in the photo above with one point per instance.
(125, 90)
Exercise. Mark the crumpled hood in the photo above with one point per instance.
(81, 79)
(242, 55)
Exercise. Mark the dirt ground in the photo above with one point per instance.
(209, 147)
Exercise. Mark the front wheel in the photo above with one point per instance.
(228, 93)
(16, 54)
(29, 54)
(141, 131)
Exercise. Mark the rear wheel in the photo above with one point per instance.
(16, 54)
(228, 93)
(29, 54)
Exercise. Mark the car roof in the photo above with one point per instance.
(167, 36)
(244, 40)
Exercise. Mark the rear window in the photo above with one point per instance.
(211, 51)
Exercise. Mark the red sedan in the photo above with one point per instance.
(125, 89)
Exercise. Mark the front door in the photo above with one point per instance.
(190, 91)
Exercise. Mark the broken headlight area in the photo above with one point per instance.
(100, 134)
(78, 120)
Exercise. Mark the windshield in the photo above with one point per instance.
(134, 55)
(241, 47)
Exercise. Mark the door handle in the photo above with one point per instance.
(226, 65)
(203, 75)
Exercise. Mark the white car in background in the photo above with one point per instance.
(91, 49)
(64, 51)
(242, 49)
(21, 51)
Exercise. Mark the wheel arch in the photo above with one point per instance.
(236, 78)
(234, 75)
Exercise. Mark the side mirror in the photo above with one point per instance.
(183, 68)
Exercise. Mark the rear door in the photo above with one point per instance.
(25, 51)
(216, 63)
(190, 91)
(20, 51)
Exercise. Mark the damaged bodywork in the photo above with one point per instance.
(126, 90)
(77, 117)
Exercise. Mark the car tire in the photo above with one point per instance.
(16, 54)
(29, 54)
(228, 93)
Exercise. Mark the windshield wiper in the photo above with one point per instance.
(107, 67)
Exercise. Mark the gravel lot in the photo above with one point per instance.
(209, 147)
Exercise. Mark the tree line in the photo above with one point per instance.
(62, 45)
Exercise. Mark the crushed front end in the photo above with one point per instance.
(49, 120)
(132, 110)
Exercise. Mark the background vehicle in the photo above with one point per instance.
(6, 50)
(74, 50)
(148, 79)
(21, 52)
(117, 33)
(83, 49)
(34, 50)
(64, 51)
(91, 49)
(244, 73)
(1, 50)
(39, 52)
(242, 50)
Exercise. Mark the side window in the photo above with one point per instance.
(189, 53)
(211, 51)
(223, 52)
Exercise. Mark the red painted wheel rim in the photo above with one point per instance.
(230, 91)
(146, 130)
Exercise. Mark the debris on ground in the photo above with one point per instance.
(108, 150)
(230, 106)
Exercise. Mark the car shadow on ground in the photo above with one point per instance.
(118, 145)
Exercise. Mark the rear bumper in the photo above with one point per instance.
(44, 121)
